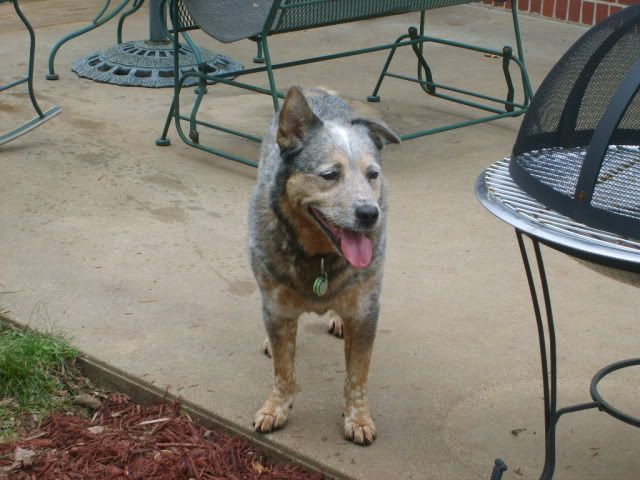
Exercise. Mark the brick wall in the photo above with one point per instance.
(586, 12)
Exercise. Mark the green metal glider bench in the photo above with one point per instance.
(232, 20)
(41, 117)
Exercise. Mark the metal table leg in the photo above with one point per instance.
(100, 19)
(548, 360)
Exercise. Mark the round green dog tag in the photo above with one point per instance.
(320, 285)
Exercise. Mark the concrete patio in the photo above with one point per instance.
(138, 252)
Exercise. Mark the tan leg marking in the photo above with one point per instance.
(358, 346)
(275, 410)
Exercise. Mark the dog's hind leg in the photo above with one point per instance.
(282, 338)
(266, 347)
(336, 326)
(359, 335)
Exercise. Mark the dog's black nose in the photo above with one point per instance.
(367, 215)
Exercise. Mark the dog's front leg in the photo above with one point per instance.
(359, 334)
(281, 332)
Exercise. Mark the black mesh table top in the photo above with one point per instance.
(611, 254)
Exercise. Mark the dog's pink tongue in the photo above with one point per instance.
(356, 248)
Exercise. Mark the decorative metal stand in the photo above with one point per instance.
(142, 63)
(145, 63)
(42, 116)
(548, 357)
(497, 192)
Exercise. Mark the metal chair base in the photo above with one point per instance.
(42, 116)
(30, 125)
(415, 38)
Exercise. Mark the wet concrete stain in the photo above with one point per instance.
(164, 214)
(4, 107)
(87, 124)
(170, 214)
(242, 288)
(165, 181)
(170, 183)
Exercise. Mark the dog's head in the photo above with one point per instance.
(333, 183)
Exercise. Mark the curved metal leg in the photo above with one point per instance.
(548, 357)
(32, 51)
(99, 20)
(259, 58)
(136, 6)
(423, 66)
(42, 116)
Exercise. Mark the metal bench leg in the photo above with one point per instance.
(496, 107)
(272, 80)
(163, 141)
(99, 20)
(42, 116)
(259, 58)
(374, 97)
(136, 6)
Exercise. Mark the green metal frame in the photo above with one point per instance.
(41, 117)
(100, 19)
(415, 38)
(134, 8)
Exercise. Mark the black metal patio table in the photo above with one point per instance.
(610, 254)
(572, 183)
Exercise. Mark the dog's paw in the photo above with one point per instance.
(266, 347)
(272, 416)
(359, 427)
(336, 326)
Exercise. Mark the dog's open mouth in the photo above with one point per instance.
(355, 246)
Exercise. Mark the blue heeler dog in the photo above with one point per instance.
(317, 239)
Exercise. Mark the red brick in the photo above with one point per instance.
(507, 4)
(602, 12)
(629, 2)
(547, 8)
(587, 13)
(574, 10)
(523, 5)
(613, 10)
(496, 3)
(487, 1)
(561, 9)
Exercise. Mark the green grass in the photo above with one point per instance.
(36, 376)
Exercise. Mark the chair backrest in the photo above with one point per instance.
(231, 20)
(185, 21)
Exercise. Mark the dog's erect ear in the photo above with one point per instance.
(378, 130)
(295, 120)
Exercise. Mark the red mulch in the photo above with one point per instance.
(130, 445)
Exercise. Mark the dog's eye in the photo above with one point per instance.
(372, 175)
(330, 175)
